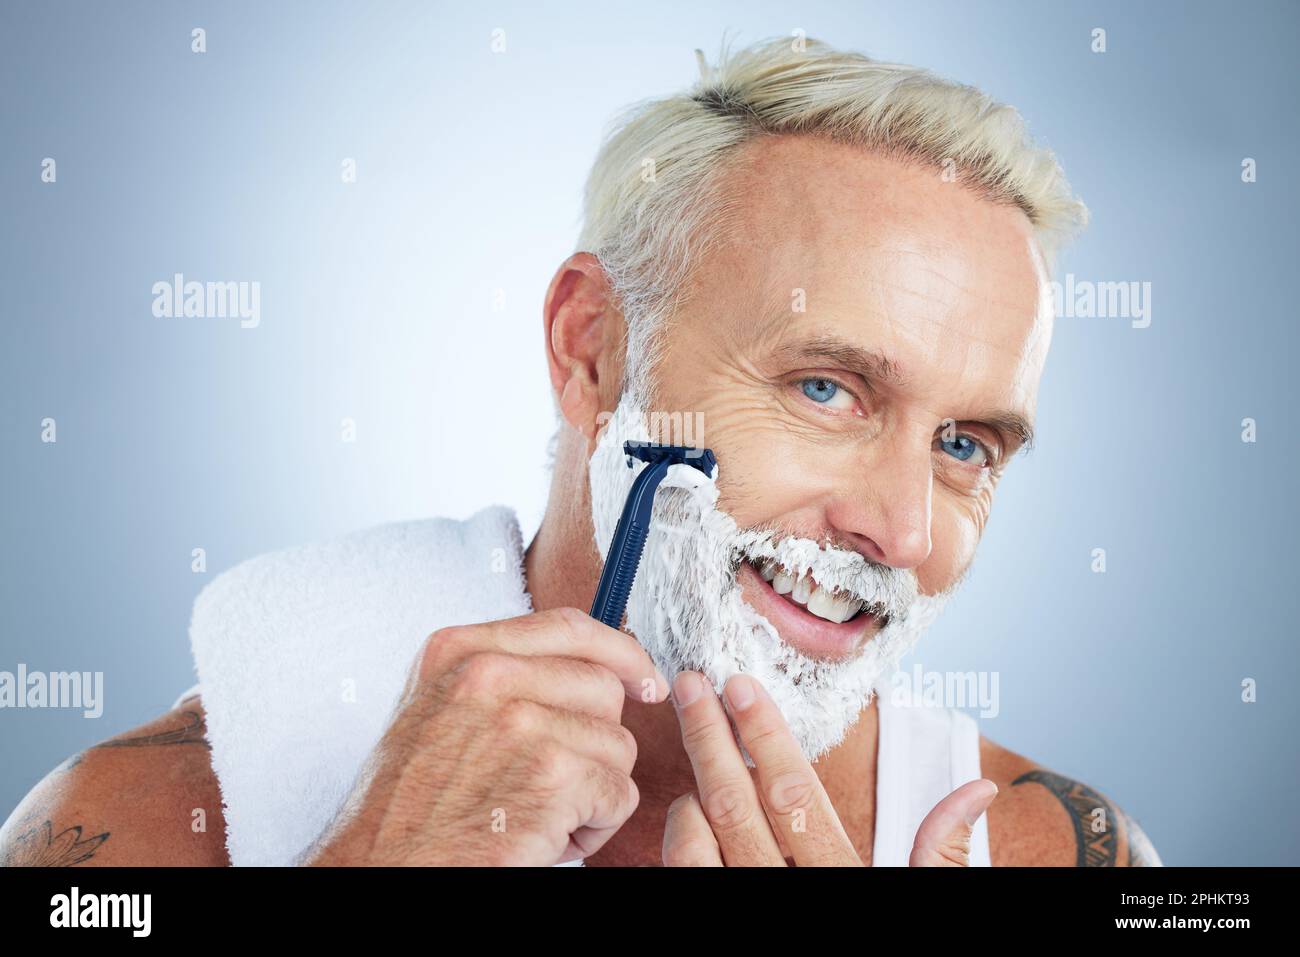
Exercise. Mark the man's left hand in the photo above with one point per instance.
(742, 818)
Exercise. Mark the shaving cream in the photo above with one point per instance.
(686, 607)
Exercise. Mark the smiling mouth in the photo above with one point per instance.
(804, 593)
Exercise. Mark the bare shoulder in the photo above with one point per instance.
(1044, 819)
(148, 796)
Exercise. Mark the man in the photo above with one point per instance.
(838, 269)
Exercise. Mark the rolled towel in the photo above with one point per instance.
(302, 655)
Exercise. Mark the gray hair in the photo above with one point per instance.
(653, 206)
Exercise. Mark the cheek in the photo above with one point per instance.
(955, 530)
(766, 471)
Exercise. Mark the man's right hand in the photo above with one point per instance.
(506, 748)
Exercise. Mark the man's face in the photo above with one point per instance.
(862, 354)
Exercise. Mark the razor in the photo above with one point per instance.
(634, 524)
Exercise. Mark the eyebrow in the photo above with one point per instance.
(873, 366)
(878, 367)
(1013, 424)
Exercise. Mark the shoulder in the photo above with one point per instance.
(148, 796)
(1043, 818)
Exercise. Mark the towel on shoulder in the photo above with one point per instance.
(302, 655)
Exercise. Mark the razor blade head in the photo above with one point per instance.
(651, 452)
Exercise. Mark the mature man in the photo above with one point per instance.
(837, 269)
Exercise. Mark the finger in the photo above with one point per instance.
(726, 790)
(688, 839)
(492, 678)
(562, 632)
(943, 839)
(566, 805)
(603, 796)
(588, 839)
(606, 742)
(570, 633)
(798, 806)
(588, 800)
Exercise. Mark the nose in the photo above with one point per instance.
(884, 510)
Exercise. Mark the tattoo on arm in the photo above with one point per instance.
(1094, 832)
(41, 847)
(193, 731)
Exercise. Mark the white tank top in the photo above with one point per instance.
(923, 755)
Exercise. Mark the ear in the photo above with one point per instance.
(584, 334)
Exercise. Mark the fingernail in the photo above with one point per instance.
(979, 807)
(740, 692)
(687, 688)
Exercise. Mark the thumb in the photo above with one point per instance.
(943, 839)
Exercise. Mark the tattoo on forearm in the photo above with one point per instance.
(41, 847)
(1098, 846)
(193, 731)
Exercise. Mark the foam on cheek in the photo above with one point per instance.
(833, 568)
(704, 488)
(686, 606)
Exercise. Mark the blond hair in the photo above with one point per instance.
(652, 205)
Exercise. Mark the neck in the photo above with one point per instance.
(562, 568)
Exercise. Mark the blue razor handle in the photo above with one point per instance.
(634, 524)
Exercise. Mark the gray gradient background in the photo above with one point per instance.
(376, 304)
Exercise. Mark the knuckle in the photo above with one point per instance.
(479, 676)
(630, 738)
(571, 616)
(552, 764)
(627, 741)
(790, 791)
(956, 852)
(726, 807)
(441, 648)
(611, 686)
(952, 852)
(696, 736)
(519, 718)
(567, 621)
(619, 787)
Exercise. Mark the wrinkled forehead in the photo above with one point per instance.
(827, 239)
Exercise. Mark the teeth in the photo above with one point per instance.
(811, 596)
(837, 610)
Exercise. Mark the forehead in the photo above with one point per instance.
(886, 252)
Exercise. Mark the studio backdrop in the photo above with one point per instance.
(390, 188)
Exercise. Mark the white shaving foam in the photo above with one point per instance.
(687, 611)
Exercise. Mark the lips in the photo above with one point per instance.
(819, 623)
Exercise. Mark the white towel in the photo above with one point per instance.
(302, 655)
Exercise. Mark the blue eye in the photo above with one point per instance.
(820, 390)
(828, 393)
(963, 447)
